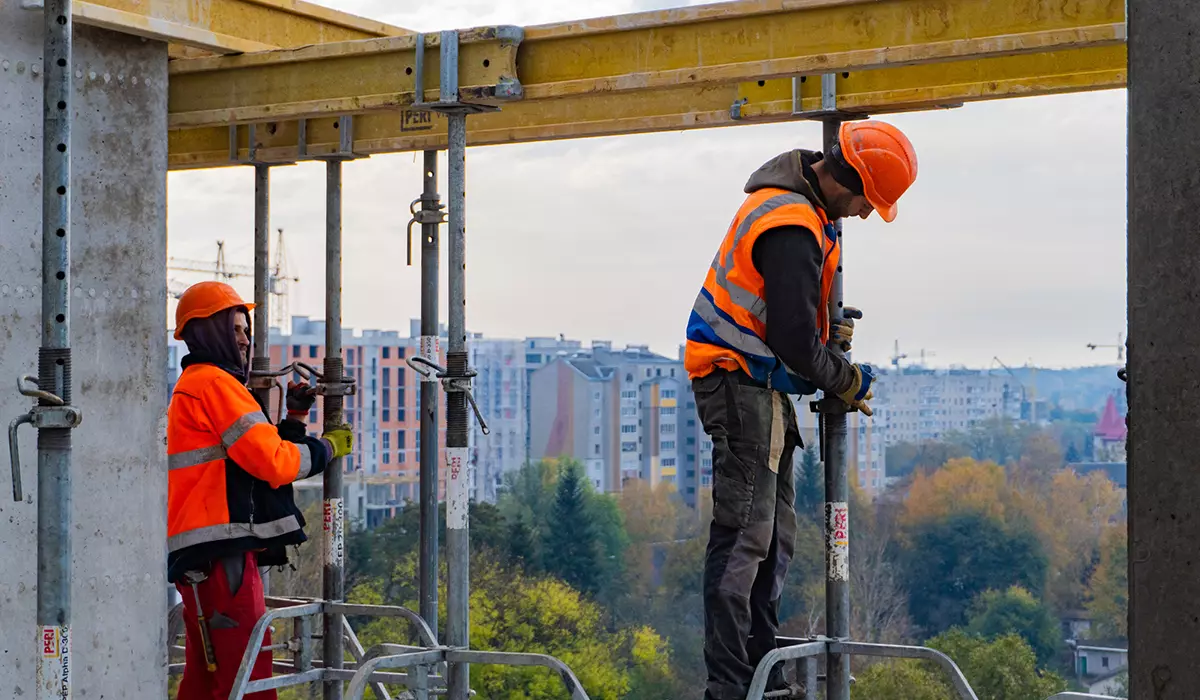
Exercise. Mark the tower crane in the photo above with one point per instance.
(1120, 347)
(278, 281)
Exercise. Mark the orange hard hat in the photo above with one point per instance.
(203, 300)
(885, 160)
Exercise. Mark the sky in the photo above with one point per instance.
(1010, 245)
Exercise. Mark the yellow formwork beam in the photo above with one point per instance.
(230, 26)
(700, 47)
(671, 109)
(342, 78)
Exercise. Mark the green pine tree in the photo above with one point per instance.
(571, 546)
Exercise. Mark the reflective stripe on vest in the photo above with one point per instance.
(233, 531)
(729, 317)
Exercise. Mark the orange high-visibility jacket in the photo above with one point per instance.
(229, 484)
(728, 325)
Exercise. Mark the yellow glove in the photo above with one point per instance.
(340, 439)
(860, 392)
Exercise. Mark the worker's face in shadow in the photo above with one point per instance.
(241, 333)
(845, 203)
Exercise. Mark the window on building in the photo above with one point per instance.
(668, 393)
(312, 350)
(668, 411)
(295, 351)
(668, 445)
(667, 428)
(400, 374)
(400, 399)
(596, 396)
(387, 458)
(400, 415)
(658, 372)
(400, 440)
(387, 441)
(628, 377)
(387, 376)
(1104, 662)
(387, 402)
(629, 446)
(668, 461)
(400, 457)
(628, 429)
(596, 430)
(312, 416)
(647, 371)
(596, 449)
(387, 353)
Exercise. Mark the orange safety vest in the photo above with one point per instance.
(229, 473)
(728, 325)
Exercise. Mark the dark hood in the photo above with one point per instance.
(790, 171)
(212, 340)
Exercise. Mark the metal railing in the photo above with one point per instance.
(424, 666)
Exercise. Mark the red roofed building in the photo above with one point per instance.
(1110, 434)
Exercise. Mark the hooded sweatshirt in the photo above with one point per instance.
(789, 260)
(213, 339)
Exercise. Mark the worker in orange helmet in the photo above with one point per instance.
(759, 331)
(229, 504)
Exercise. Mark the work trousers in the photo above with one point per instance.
(753, 531)
(231, 615)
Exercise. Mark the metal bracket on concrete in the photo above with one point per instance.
(57, 415)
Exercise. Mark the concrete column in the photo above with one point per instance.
(1164, 349)
(118, 332)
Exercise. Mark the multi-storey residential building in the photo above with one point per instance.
(500, 391)
(540, 352)
(605, 408)
(383, 471)
(924, 404)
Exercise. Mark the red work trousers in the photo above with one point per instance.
(231, 617)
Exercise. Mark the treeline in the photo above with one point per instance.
(970, 557)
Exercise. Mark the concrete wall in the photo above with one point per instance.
(1164, 357)
(119, 592)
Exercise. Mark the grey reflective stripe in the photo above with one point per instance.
(747, 300)
(240, 427)
(191, 458)
(726, 331)
(779, 200)
(743, 298)
(233, 531)
(305, 461)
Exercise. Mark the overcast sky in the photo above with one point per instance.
(1011, 243)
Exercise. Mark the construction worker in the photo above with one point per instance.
(229, 505)
(758, 332)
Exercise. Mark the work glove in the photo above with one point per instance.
(340, 439)
(860, 392)
(842, 332)
(299, 400)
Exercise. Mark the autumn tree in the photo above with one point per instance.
(1108, 593)
(1076, 511)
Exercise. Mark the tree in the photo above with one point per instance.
(1015, 611)
(1108, 594)
(1077, 510)
(572, 548)
(1004, 668)
(878, 600)
(810, 486)
(962, 485)
(901, 680)
(949, 561)
(906, 457)
(512, 611)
